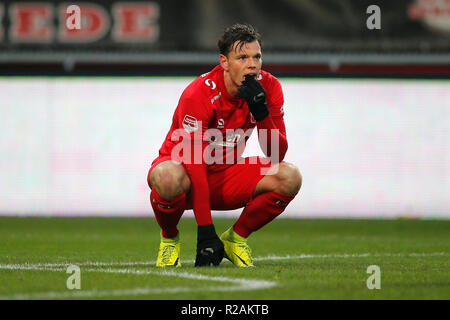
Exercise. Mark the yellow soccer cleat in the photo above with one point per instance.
(237, 249)
(169, 252)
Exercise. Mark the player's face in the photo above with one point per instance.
(240, 61)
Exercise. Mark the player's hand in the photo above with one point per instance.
(255, 95)
(209, 247)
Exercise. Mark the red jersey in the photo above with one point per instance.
(215, 119)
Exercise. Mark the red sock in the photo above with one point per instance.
(260, 211)
(168, 212)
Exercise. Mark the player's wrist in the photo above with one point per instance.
(265, 122)
(206, 232)
(260, 111)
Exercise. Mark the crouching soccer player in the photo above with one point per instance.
(216, 113)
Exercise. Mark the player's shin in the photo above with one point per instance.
(260, 211)
(168, 212)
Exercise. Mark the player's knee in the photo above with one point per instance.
(169, 180)
(289, 178)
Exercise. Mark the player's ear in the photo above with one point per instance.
(224, 62)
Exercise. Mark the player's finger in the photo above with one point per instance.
(244, 91)
(217, 260)
(242, 87)
(251, 80)
(255, 85)
(201, 262)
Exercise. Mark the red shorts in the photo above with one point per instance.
(230, 186)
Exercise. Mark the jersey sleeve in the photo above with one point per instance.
(193, 117)
(272, 130)
(275, 98)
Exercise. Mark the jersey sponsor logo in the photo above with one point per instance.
(216, 97)
(232, 139)
(210, 83)
(190, 123)
(223, 146)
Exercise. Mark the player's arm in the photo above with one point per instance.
(194, 118)
(209, 247)
(271, 127)
(272, 137)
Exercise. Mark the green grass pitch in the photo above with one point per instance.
(295, 259)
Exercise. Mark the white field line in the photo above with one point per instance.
(350, 255)
(93, 293)
(52, 266)
(238, 284)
